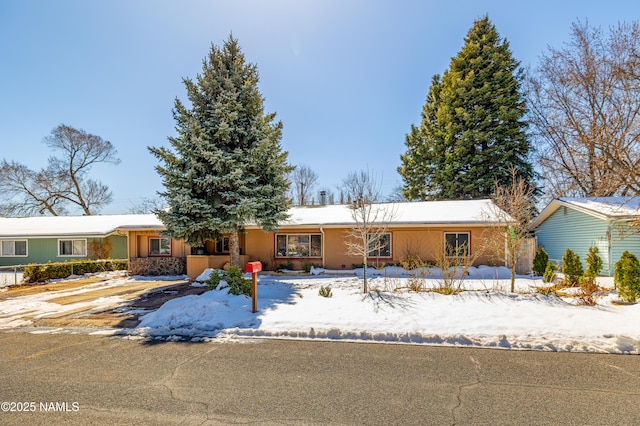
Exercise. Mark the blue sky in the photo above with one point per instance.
(346, 77)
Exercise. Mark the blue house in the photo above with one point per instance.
(612, 224)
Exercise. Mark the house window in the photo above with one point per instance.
(457, 244)
(72, 247)
(13, 248)
(380, 245)
(222, 245)
(159, 246)
(299, 245)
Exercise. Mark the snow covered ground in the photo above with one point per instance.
(487, 315)
(18, 311)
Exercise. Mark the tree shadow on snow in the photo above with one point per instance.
(382, 300)
(235, 315)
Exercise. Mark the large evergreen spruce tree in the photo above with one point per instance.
(473, 129)
(226, 168)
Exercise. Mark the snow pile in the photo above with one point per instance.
(290, 307)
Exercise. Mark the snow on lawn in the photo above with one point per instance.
(21, 310)
(489, 316)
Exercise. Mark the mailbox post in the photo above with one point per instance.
(254, 268)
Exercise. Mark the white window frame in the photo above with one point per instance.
(26, 248)
(456, 233)
(290, 255)
(378, 255)
(73, 241)
(160, 254)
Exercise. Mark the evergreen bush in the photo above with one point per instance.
(571, 268)
(549, 275)
(626, 277)
(594, 263)
(540, 261)
(233, 278)
(308, 265)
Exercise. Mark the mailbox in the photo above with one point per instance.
(254, 267)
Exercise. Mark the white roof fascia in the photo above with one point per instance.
(556, 203)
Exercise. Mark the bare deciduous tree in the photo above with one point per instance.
(397, 196)
(368, 235)
(63, 182)
(584, 102)
(304, 181)
(511, 214)
(147, 205)
(453, 264)
(326, 196)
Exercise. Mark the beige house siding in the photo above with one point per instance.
(257, 244)
(424, 242)
(139, 245)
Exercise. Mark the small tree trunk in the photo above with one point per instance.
(234, 249)
(365, 287)
(513, 275)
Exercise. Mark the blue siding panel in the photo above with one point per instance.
(629, 240)
(567, 228)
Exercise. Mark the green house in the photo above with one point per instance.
(59, 238)
(612, 224)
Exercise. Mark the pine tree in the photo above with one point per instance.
(226, 168)
(540, 261)
(420, 160)
(626, 276)
(571, 268)
(473, 128)
(594, 262)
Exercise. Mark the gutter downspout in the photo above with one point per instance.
(322, 247)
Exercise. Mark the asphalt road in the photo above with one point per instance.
(84, 379)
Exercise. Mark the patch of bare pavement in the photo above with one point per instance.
(82, 301)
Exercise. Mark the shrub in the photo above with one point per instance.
(571, 268)
(285, 266)
(412, 261)
(588, 290)
(308, 265)
(325, 291)
(594, 263)
(99, 249)
(233, 278)
(55, 270)
(540, 261)
(547, 291)
(549, 275)
(626, 277)
(361, 265)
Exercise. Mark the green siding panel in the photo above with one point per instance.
(120, 250)
(43, 250)
(568, 228)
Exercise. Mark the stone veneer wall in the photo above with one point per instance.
(157, 266)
